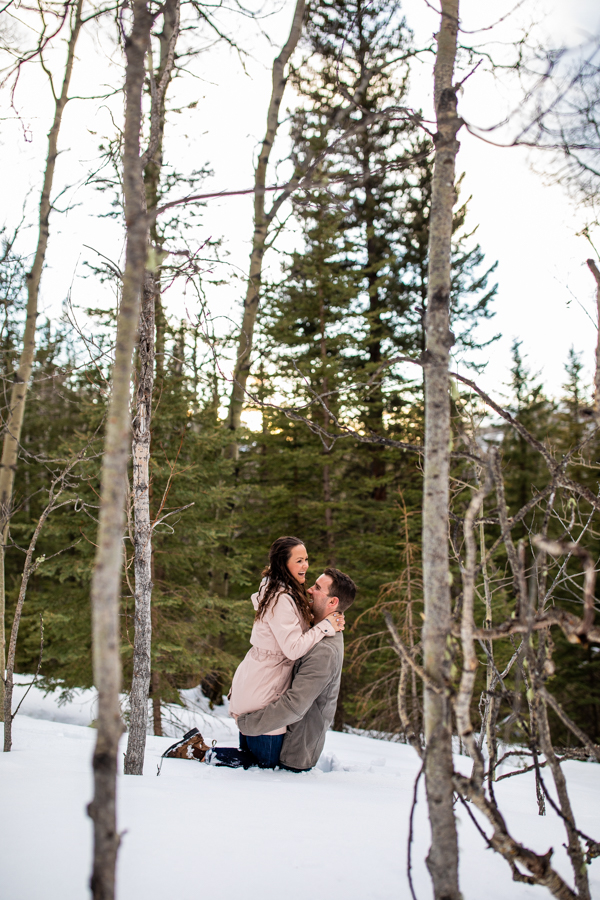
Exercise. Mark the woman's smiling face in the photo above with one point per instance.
(297, 563)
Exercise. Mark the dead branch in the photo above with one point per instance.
(407, 725)
(411, 832)
(503, 843)
(404, 654)
(462, 702)
(570, 625)
(558, 548)
(593, 749)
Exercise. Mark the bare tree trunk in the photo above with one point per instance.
(156, 714)
(488, 724)
(142, 535)
(594, 270)
(157, 571)
(14, 420)
(261, 227)
(106, 578)
(142, 649)
(442, 860)
(576, 854)
(2, 623)
(464, 694)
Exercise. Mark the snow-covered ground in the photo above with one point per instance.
(336, 833)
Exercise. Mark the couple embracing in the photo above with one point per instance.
(284, 693)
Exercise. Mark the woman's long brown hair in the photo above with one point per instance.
(280, 580)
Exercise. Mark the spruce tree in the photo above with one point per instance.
(526, 471)
(576, 680)
(68, 403)
(354, 296)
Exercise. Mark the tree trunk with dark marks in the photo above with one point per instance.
(142, 537)
(376, 259)
(106, 579)
(142, 650)
(156, 711)
(442, 860)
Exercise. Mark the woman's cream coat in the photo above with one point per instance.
(278, 639)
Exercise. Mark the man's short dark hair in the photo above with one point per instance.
(342, 587)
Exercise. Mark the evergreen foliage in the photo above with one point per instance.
(352, 297)
(188, 467)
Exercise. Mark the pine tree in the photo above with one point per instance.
(193, 625)
(576, 682)
(67, 407)
(526, 471)
(64, 414)
(353, 297)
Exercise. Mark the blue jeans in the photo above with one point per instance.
(265, 748)
(262, 751)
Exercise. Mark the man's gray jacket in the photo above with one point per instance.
(307, 708)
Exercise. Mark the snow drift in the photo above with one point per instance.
(336, 833)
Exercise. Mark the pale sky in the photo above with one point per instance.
(546, 295)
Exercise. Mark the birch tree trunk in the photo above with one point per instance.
(14, 419)
(142, 536)
(157, 571)
(142, 648)
(106, 577)
(442, 860)
(262, 221)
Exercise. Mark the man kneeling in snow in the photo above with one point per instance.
(307, 708)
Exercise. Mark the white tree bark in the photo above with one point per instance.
(142, 649)
(442, 860)
(106, 580)
(16, 412)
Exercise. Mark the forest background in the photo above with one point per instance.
(344, 292)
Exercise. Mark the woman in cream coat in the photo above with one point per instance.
(282, 633)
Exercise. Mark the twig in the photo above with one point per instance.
(410, 832)
(405, 655)
(37, 671)
(592, 749)
(558, 548)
